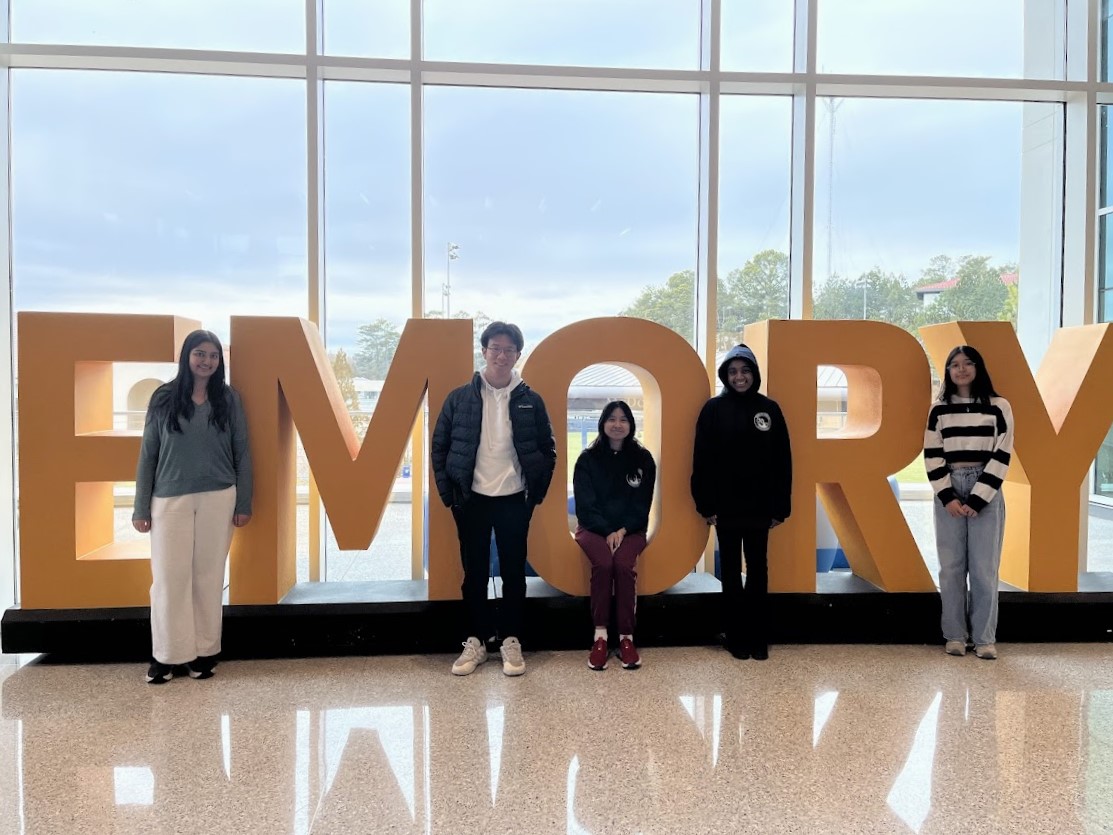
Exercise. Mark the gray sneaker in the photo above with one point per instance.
(956, 647)
(512, 662)
(474, 654)
(986, 651)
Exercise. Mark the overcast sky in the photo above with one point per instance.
(186, 194)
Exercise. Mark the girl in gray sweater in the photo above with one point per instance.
(192, 486)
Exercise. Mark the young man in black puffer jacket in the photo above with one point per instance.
(742, 484)
(493, 456)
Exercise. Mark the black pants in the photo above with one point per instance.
(509, 517)
(744, 608)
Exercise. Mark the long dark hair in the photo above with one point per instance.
(602, 444)
(174, 400)
(982, 387)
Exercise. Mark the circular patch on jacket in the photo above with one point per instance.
(762, 421)
(635, 479)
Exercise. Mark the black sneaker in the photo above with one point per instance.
(201, 666)
(159, 673)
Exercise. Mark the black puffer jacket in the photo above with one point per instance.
(614, 489)
(456, 441)
(742, 464)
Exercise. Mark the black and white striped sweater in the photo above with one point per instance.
(966, 431)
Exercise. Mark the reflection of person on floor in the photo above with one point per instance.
(967, 448)
(742, 484)
(613, 484)
(493, 456)
(192, 485)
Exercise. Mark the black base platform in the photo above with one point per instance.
(322, 619)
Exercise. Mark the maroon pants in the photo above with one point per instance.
(615, 572)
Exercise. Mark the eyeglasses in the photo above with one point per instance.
(496, 350)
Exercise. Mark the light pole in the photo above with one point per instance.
(452, 253)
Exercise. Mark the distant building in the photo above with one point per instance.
(928, 293)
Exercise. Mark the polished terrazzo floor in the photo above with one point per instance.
(885, 739)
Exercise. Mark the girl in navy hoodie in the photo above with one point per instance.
(613, 484)
(742, 484)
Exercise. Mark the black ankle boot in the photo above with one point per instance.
(759, 652)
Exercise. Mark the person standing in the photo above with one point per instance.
(193, 485)
(967, 450)
(493, 455)
(742, 484)
(613, 483)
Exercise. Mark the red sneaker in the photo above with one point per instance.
(598, 658)
(628, 655)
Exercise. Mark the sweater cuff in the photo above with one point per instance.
(946, 496)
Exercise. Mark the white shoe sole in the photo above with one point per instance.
(511, 670)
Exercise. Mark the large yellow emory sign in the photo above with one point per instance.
(69, 455)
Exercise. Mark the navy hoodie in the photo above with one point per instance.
(742, 463)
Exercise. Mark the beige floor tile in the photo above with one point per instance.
(816, 739)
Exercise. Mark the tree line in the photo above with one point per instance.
(759, 290)
(756, 291)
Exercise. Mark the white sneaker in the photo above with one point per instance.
(986, 651)
(956, 647)
(512, 662)
(474, 654)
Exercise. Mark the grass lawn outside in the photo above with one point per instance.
(914, 473)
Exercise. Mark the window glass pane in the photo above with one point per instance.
(918, 218)
(757, 36)
(1103, 480)
(156, 193)
(755, 180)
(367, 282)
(609, 33)
(1106, 184)
(374, 30)
(1105, 269)
(563, 205)
(988, 38)
(243, 25)
(1105, 35)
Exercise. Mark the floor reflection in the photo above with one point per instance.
(883, 739)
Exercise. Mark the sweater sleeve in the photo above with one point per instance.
(936, 464)
(241, 457)
(637, 520)
(145, 469)
(703, 462)
(588, 511)
(993, 476)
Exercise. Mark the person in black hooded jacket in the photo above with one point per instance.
(742, 484)
(613, 484)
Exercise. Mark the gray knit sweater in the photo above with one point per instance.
(197, 459)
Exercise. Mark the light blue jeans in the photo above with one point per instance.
(969, 547)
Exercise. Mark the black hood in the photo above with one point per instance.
(741, 352)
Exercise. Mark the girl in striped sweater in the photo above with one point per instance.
(967, 449)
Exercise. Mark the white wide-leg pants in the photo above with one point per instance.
(190, 537)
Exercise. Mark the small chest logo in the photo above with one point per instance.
(635, 479)
(762, 421)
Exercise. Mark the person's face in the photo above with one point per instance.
(616, 427)
(501, 355)
(740, 376)
(962, 370)
(204, 360)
